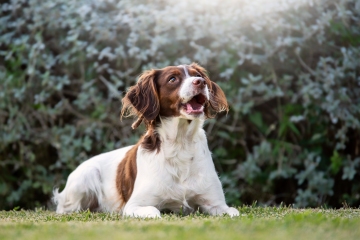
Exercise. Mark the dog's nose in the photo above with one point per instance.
(199, 82)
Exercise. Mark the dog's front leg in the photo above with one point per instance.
(213, 201)
(220, 209)
(141, 205)
(141, 212)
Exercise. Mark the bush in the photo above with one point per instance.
(290, 71)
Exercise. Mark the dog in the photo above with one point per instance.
(171, 167)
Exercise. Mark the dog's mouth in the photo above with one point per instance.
(195, 105)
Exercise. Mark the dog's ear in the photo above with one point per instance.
(142, 99)
(217, 102)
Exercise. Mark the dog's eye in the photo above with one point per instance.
(172, 79)
(198, 75)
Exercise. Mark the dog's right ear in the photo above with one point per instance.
(142, 99)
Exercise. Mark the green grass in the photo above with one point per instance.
(253, 223)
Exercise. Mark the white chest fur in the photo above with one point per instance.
(180, 168)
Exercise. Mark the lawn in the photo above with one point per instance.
(253, 223)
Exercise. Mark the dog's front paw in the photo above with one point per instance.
(147, 212)
(232, 212)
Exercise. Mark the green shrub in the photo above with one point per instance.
(290, 70)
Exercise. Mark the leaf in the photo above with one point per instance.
(282, 128)
(224, 135)
(293, 128)
(336, 162)
(256, 118)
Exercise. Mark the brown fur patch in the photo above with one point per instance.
(151, 141)
(142, 99)
(126, 175)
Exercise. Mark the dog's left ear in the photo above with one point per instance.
(217, 102)
(142, 99)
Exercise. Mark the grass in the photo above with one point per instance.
(253, 223)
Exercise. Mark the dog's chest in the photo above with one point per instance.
(184, 177)
(182, 162)
(178, 192)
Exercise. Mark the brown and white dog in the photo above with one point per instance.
(171, 166)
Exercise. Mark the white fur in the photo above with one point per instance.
(93, 178)
(187, 91)
(185, 70)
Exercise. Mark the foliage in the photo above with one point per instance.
(290, 70)
(254, 223)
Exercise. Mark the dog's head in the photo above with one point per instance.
(183, 91)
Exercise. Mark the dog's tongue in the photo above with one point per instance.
(193, 106)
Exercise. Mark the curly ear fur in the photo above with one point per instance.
(142, 100)
(218, 102)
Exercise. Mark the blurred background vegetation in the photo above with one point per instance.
(290, 70)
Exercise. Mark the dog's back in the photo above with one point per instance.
(87, 188)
